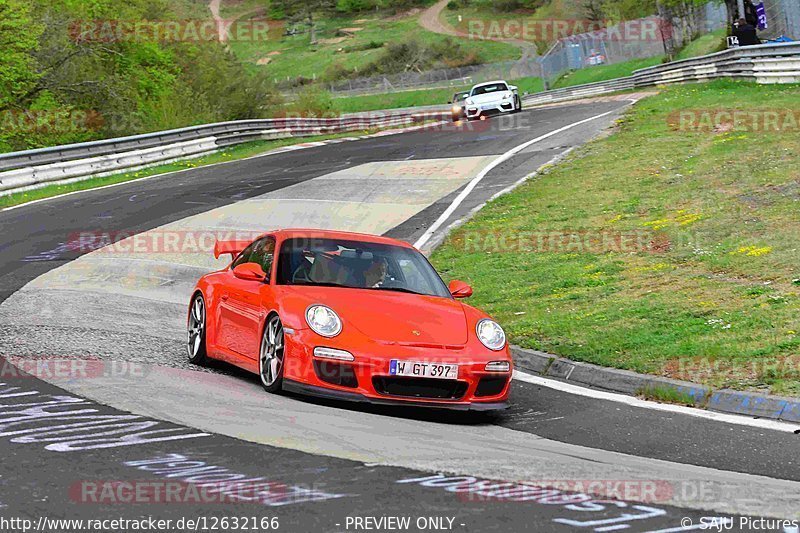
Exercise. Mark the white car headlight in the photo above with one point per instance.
(491, 334)
(506, 96)
(323, 320)
(470, 101)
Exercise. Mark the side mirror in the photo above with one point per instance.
(250, 272)
(459, 289)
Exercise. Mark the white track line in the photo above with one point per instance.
(760, 423)
(491, 166)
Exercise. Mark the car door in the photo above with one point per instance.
(241, 310)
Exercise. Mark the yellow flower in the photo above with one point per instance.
(658, 224)
(752, 251)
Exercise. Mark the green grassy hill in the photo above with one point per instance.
(363, 43)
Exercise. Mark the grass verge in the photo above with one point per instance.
(655, 249)
(604, 72)
(704, 45)
(666, 395)
(228, 154)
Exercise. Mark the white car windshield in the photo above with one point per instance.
(491, 88)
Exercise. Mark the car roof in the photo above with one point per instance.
(311, 233)
(490, 83)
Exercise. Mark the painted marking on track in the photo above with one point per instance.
(219, 483)
(69, 423)
(494, 164)
(714, 523)
(578, 506)
(669, 408)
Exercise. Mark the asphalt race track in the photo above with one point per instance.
(141, 418)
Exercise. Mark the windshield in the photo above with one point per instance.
(356, 264)
(491, 88)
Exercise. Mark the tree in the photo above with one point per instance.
(18, 40)
(593, 10)
(304, 10)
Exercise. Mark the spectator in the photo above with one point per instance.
(746, 33)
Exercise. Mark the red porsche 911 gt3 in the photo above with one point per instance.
(348, 316)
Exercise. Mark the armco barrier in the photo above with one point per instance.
(35, 168)
(766, 63)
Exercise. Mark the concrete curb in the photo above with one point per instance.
(631, 383)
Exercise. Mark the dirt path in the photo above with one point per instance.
(222, 34)
(224, 24)
(431, 20)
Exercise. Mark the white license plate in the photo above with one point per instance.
(422, 370)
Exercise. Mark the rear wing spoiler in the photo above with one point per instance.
(229, 247)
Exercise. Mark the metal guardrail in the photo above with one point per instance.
(766, 63)
(34, 168)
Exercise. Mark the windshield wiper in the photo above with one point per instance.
(322, 284)
(398, 289)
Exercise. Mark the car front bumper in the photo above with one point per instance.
(348, 396)
(490, 108)
(368, 379)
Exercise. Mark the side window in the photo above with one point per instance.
(264, 254)
(261, 252)
(244, 257)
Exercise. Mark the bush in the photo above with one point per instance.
(312, 101)
(507, 5)
(453, 5)
(354, 6)
(414, 55)
(363, 47)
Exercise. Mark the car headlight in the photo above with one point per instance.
(491, 334)
(470, 101)
(506, 96)
(323, 320)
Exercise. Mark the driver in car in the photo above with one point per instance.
(375, 274)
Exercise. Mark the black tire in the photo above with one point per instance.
(517, 105)
(271, 355)
(196, 331)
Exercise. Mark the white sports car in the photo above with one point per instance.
(491, 98)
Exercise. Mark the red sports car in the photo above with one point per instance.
(348, 316)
